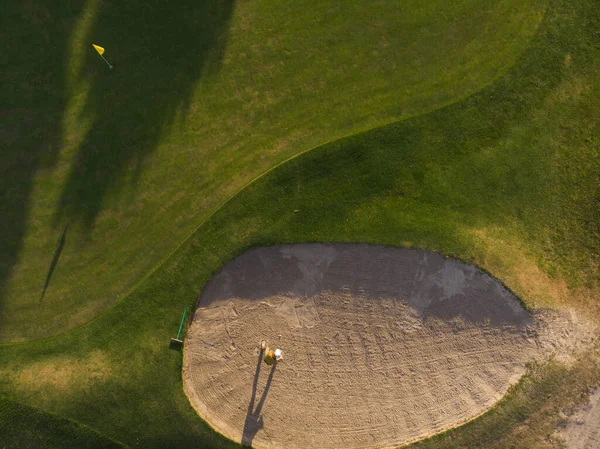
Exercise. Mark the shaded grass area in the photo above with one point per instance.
(24, 427)
(203, 98)
(32, 98)
(506, 179)
(75, 131)
(131, 106)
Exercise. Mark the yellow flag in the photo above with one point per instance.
(99, 49)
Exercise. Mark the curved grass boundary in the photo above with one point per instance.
(275, 167)
(488, 180)
(302, 93)
(25, 427)
(229, 199)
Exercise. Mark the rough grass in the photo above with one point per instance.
(203, 98)
(506, 178)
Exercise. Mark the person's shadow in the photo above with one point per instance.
(254, 421)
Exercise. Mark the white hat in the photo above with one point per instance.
(277, 353)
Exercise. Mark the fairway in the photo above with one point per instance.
(464, 132)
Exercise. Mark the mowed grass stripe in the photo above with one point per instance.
(201, 101)
(506, 179)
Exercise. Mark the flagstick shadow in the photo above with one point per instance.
(57, 253)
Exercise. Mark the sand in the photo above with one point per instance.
(382, 346)
(583, 428)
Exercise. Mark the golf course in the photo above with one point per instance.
(465, 132)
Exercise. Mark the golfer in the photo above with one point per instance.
(271, 356)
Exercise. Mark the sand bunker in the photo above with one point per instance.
(381, 346)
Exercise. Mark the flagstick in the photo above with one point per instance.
(109, 66)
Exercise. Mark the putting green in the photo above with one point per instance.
(196, 107)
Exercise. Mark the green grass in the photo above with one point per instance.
(506, 178)
(24, 427)
(203, 98)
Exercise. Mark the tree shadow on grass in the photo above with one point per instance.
(33, 97)
(159, 51)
